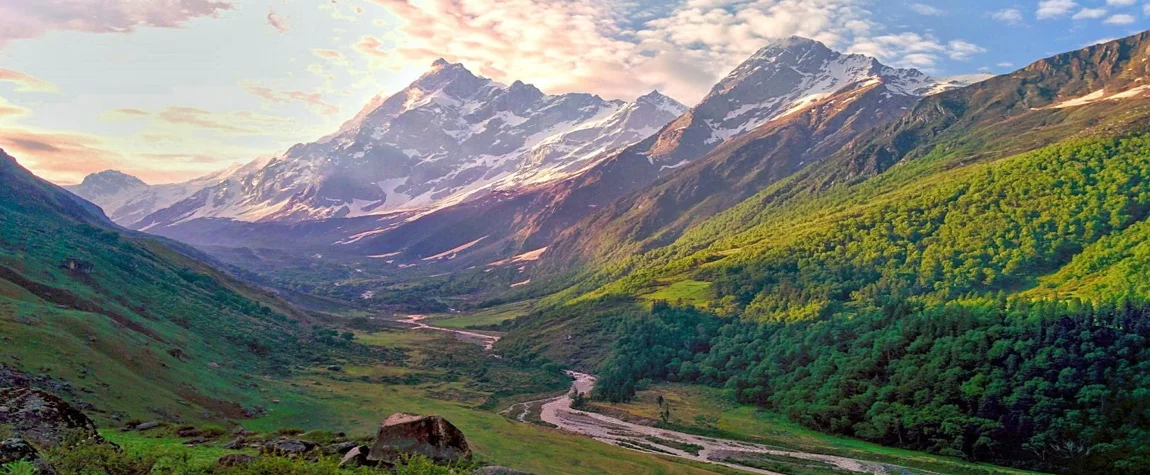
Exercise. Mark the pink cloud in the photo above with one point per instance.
(26, 82)
(278, 22)
(20, 19)
(313, 100)
(61, 157)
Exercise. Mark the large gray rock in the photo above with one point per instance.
(19, 450)
(410, 434)
(42, 418)
(285, 447)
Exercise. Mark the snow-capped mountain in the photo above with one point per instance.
(789, 105)
(446, 136)
(127, 199)
(783, 77)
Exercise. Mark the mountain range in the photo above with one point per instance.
(948, 266)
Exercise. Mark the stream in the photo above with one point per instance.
(558, 412)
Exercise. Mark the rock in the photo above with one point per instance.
(431, 436)
(335, 368)
(236, 444)
(19, 450)
(236, 460)
(285, 447)
(495, 470)
(197, 441)
(146, 426)
(41, 418)
(356, 457)
(77, 266)
(187, 432)
(339, 448)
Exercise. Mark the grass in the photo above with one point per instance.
(488, 317)
(689, 292)
(346, 401)
(712, 412)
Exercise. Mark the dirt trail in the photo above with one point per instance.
(488, 341)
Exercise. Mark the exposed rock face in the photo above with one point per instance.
(42, 418)
(285, 447)
(410, 434)
(19, 450)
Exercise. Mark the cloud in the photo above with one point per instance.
(59, 157)
(1010, 16)
(1048, 9)
(1121, 3)
(25, 82)
(1122, 19)
(1005, 64)
(9, 110)
(1089, 14)
(278, 22)
(313, 100)
(914, 50)
(331, 55)
(962, 50)
(21, 19)
(924, 9)
(231, 123)
(617, 49)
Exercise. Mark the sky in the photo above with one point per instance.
(169, 90)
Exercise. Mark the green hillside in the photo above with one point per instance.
(139, 328)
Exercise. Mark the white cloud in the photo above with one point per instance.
(1089, 14)
(928, 10)
(1005, 64)
(962, 50)
(21, 19)
(1009, 16)
(1121, 3)
(1122, 19)
(1048, 9)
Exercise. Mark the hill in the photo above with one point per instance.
(128, 325)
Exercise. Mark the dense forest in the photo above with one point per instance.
(994, 312)
(1053, 386)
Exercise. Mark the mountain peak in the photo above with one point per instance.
(661, 101)
(439, 63)
(112, 177)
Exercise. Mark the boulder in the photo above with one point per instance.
(19, 450)
(285, 447)
(235, 460)
(238, 443)
(356, 457)
(339, 447)
(410, 434)
(43, 419)
(147, 426)
(495, 470)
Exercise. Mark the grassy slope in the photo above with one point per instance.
(149, 332)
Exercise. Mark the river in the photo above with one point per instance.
(558, 412)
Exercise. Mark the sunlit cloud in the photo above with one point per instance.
(1010, 16)
(21, 19)
(26, 82)
(60, 157)
(1122, 19)
(9, 110)
(313, 100)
